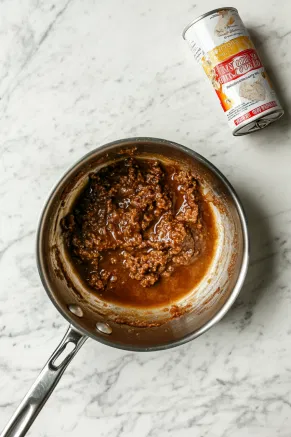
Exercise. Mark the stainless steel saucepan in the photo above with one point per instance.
(88, 316)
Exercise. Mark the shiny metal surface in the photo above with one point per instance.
(82, 311)
(177, 331)
(260, 123)
(42, 388)
(206, 15)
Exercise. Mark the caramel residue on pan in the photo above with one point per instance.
(61, 272)
(177, 311)
(130, 151)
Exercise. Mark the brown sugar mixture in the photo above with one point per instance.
(141, 233)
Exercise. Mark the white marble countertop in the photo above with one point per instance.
(74, 75)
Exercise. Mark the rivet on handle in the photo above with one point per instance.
(75, 309)
(104, 328)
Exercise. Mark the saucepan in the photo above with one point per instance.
(88, 316)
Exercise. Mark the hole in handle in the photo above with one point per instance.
(62, 355)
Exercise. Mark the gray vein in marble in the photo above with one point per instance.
(15, 83)
(17, 240)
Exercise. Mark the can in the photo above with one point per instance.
(222, 45)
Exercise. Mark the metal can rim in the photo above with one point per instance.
(280, 111)
(227, 8)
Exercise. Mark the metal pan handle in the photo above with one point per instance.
(44, 385)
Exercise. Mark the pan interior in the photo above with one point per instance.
(196, 309)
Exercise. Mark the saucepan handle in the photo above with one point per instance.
(41, 390)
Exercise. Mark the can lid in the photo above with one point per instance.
(260, 123)
(205, 15)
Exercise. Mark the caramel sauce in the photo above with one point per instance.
(141, 234)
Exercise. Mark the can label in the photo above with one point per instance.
(222, 45)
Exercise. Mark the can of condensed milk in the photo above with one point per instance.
(222, 45)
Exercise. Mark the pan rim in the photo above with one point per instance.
(242, 270)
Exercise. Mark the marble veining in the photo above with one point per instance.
(75, 75)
